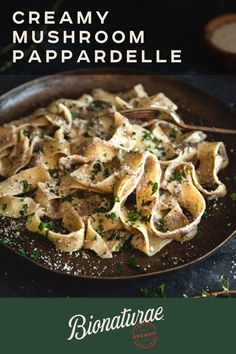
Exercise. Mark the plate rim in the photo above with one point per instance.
(126, 277)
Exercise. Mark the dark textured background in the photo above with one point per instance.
(169, 24)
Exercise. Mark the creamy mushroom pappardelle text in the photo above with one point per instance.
(84, 176)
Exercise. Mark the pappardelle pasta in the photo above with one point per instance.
(106, 179)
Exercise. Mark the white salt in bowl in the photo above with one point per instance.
(220, 35)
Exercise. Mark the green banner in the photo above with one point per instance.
(112, 326)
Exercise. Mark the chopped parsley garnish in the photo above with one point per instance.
(115, 235)
(36, 255)
(44, 226)
(154, 187)
(24, 209)
(161, 225)
(54, 191)
(6, 241)
(94, 238)
(41, 135)
(159, 291)
(133, 261)
(96, 105)
(26, 133)
(4, 206)
(111, 216)
(90, 124)
(96, 168)
(21, 251)
(120, 267)
(233, 196)
(53, 172)
(173, 134)
(147, 136)
(25, 185)
(225, 282)
(19, 240)
(100, 229)
(158, 143)
(178, 176)
(20, 228)
(133, 215)
(74, 115)
(117, 199)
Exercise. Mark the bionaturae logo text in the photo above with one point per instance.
(144, 334)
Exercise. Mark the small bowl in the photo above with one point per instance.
(224, 57)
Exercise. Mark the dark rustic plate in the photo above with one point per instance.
(195, 107)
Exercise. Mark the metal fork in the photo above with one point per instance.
(150, 113)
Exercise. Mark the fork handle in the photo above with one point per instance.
(153, 111)
(208, 129)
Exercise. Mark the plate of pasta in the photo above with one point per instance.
(87, 191)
